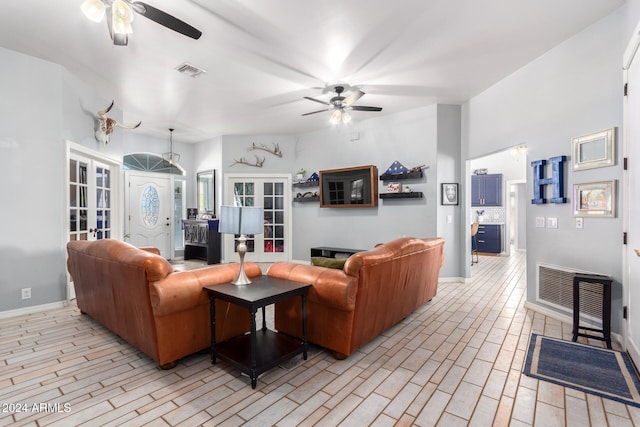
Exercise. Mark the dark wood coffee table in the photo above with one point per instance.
(262, 349)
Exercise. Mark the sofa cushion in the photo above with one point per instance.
(337, 263)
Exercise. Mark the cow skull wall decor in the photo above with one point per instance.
(106, 125)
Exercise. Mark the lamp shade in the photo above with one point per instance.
(241, 220)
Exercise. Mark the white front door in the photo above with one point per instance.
(273, 193)
(148, 199)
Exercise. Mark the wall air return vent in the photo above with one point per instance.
(555, 288)
(190, 70)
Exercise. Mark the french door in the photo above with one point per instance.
(90, 196)
(93, 186)
(273, 194)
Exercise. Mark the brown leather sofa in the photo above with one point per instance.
(375, 290)
(136, 294)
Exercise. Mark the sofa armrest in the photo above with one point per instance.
(151, 249)
(330, 287)
(183, 290)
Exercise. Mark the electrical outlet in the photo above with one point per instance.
(26, 293)
(579, 223)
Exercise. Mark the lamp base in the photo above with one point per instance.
(242, 278)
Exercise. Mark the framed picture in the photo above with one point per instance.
(596, 150)
(449, 193)
(595, 199)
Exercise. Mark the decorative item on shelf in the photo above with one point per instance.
(275, 150)
(480, 171)
(192, 213)
(243, 161)
(310, 194)
(300, 175)
(393, 187)
(313, 177)
(396, 168)
(480, 215)
(241, 220)
(418, 168)
(407, 189)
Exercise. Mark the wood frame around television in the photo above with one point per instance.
(355, 187)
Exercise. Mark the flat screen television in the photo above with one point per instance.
(355, 187)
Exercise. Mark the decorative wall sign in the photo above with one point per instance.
(595, 199)
(556, 180)
(596, 150)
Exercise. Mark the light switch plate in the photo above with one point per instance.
(540, 222)
(552, 222)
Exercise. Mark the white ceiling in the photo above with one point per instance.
(263, 56)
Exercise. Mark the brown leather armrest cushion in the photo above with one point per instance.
(183, 290)
(330, 287)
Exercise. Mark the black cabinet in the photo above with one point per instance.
(202, 240)
(486, 190)
(489, 238)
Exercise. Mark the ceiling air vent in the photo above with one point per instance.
(190, 70)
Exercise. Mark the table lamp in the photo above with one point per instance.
(241, 220)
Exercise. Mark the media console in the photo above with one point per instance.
(330, 252)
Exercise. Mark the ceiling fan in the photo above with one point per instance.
(121, 15)
(340, 104)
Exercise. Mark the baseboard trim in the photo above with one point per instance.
(32, 309)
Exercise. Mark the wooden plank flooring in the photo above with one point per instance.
(456, 361)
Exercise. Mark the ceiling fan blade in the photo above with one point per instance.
(364, 108)
(319, 111)
(353, 97)
(316, 100)
(165, 19)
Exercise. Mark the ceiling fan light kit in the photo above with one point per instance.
(340, 104)
(122, 14)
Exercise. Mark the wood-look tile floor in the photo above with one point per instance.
(456, 361)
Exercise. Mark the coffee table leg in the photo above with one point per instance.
(212, 314)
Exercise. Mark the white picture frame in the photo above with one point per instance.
(595, 150)
(595, 199)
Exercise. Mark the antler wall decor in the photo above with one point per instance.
(243, 161)
(275, 151)
(106, 125)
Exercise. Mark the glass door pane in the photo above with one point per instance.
(274, 226)
(78, 200)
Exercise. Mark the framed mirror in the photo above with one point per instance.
(206, 183)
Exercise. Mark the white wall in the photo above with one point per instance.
(572, 90)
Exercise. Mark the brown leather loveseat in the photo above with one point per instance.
(136, 294)
(375, 290)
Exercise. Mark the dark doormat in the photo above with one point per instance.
(599, 371)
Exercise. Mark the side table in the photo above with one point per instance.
(262, 349)
(606, 282)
